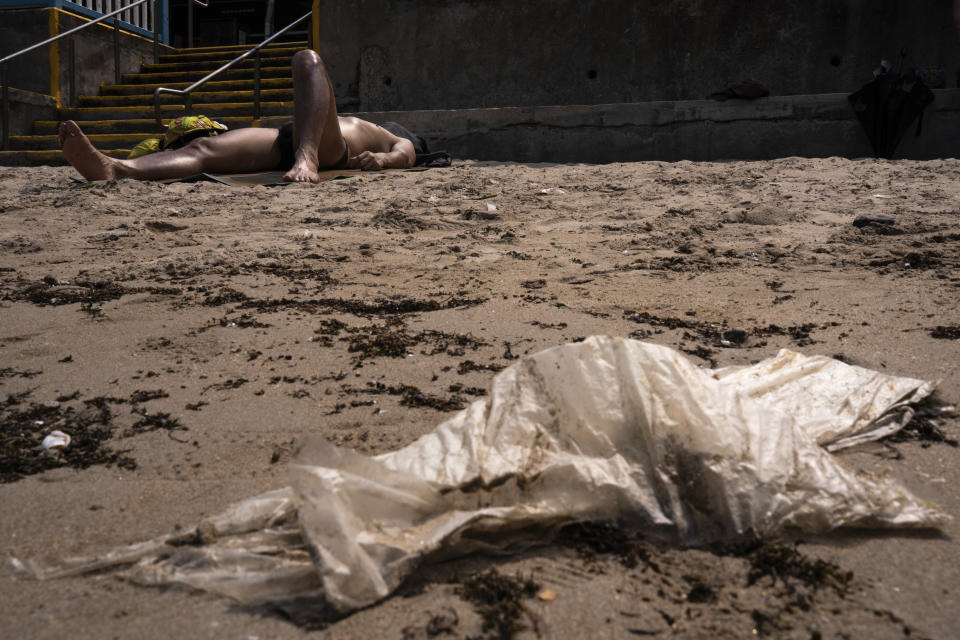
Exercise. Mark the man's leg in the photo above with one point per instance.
(237, 151)
(316, 131)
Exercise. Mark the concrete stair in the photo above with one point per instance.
(122, 115)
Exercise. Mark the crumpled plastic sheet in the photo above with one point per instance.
(607, 429)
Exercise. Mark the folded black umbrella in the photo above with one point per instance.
(887, 107)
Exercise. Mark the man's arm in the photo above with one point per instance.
(400, 156)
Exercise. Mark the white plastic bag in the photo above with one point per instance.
(607, 429)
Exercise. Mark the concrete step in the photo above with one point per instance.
(213, 110)
(237, 49)
(206, 66)
(129, 125)
(266, 95)
(165, 79)
(99, 140)
(52, 158)
(213, 85)
(194, 55)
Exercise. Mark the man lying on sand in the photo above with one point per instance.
(318, 139)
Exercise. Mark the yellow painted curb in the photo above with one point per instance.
(144, 121)
(206, 95)
(95, 137)
(199, 73)
(182, 85)
(248, 63)
(187, 57)
(232, 47)
(212, 106)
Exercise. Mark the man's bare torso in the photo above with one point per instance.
(365, 136)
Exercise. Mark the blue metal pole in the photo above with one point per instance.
(164, 21)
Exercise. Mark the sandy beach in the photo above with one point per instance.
(189, 336)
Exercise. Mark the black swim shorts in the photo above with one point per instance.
(285, 144)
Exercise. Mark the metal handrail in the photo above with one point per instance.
(80, 28)
(199, 83)
(190, 19)
(116, 57)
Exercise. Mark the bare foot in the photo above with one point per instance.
(79, 152)
(302, 171)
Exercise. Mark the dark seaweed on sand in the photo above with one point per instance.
(718, 334)
(413, 397)
(49, 291)
(225, 295)
(951, 332)
(785, 564)
(592, 539)
(410, 396)
(23, 427)
(800, 334)
(469, 365)
(162, 226)
(383, 306)
(392, 340)
(143, 395)
(470, 391)
(153, 422)
(533, 284)
(701, 352)
(498, 600)
(922, 429)
(10, 372)
(244, 321)
(381, 341)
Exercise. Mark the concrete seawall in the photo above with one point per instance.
(460, 54)
(807, 125)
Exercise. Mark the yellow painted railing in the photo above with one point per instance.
(187, 93)
(116, 55)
